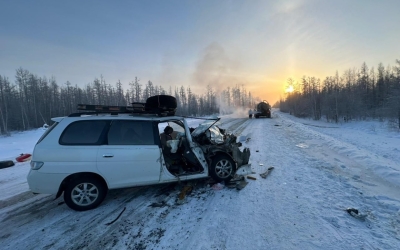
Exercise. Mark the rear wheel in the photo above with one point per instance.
(84, 193)
(222, 168)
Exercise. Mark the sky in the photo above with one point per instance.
(320, 170)
(226, 43)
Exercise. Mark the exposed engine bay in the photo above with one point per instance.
(213, 139)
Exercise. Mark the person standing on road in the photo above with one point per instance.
(250, 113)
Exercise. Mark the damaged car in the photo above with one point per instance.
(85, 154)
(207, 149)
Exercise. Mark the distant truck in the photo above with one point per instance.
(263, 109)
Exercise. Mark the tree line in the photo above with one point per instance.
(356, 94)
(31, 101)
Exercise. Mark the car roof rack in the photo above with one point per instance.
(136, 108)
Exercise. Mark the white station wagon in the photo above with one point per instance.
(109, 147)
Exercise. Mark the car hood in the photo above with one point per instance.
(211, 131)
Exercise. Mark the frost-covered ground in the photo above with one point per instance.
(321, 169)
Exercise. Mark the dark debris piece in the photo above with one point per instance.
(241, 185)
(356, 214)
(264, 175)
(157, 204)
(352, 210)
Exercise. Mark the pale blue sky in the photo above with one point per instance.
(172, 43)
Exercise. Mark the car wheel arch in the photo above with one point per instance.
(214, 153)
(76, 176)
(211, 165)
(220, 152)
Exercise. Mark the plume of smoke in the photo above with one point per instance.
(232, 111)
(215, 68)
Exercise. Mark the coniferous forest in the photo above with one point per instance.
(31, 101)
(356, 94)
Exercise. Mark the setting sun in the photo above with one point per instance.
(289, 89)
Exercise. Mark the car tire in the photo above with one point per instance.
(6, 164)
(161, 104)
(222, 168)
(84, 193)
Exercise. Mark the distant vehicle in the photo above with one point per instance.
(263, 109)
(108, 147)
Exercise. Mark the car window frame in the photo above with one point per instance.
(47, 132)
(149, 122)
(101, 140)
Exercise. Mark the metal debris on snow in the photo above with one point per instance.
(355, 213)
(158, 204)
(241, 185)
(264, 175)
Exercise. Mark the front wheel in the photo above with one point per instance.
(84, 193)
(222, 168)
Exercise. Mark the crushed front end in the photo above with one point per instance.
(213, 140)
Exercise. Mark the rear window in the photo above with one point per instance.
(84, 133)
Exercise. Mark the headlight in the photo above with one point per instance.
(35, 165)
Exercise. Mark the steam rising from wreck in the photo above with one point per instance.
(215, 69)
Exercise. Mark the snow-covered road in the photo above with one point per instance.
(319, 172)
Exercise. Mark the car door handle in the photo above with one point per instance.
(108, 156)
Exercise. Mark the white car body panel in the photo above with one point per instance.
(129, 165)
(43, 183)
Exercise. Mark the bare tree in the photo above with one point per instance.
(5, 94)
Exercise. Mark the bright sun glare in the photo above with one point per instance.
(289, 89)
